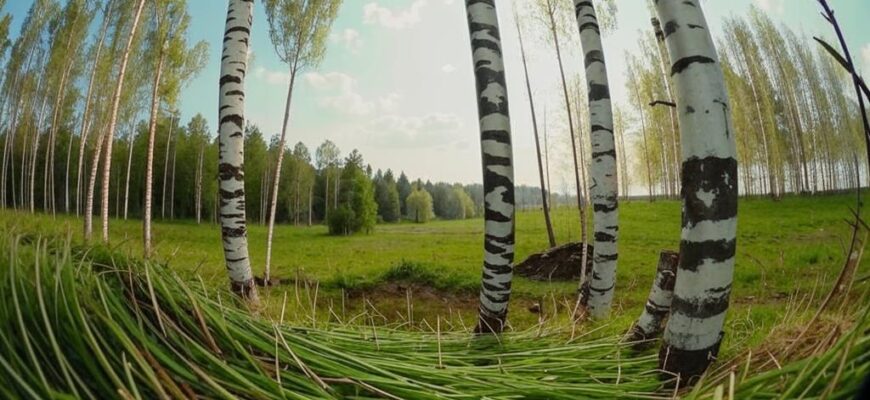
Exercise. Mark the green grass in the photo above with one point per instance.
(84, 322)
(785, 248)
(94, 321)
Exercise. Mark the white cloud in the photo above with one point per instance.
(414, 132)
(343, 95)
(272, 77)
(350, 38)
(772, 6)
(448, 68)
(390, 102)
(865, 60)
(374, 13)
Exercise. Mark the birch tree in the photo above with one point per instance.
(231, 111)
(544, 187)
(695, 329)
(603, 171)
(298, 31)
(498, 175)
(110, 131)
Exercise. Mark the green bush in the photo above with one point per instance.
(341, 221)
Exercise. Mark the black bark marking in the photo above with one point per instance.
(671, 27)
(593, 57)
(598, 92)
(709, 306)
(685, 62)
(713, 175)
(693, 254)
(688, 364)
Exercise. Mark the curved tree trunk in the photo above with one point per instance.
(83, 133)
(232, 148)
(92, 183)
(116, 105)
(544, 188)
(709, 175)
(498, 173)
(34, 153)
(603, 170)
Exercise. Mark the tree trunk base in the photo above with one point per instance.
(689, 365)
(273, 281)
(560, 263)
(490, 324)
(247, 291)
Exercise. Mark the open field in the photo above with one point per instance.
(792, 247)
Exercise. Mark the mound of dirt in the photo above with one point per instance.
(560, 263)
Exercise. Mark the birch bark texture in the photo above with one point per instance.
(658, 304)
(709, 193)
(110, 134)
(231, 117)
(498, 172)
(604, 189)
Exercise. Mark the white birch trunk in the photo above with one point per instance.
(116, 105)
(603, 170)
(709, 173)
(232, 148)
(498, 172)
(273, 203)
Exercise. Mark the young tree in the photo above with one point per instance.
(551, 13)
(387, 197)
(604, 173)
(544, 187)
(83, 131)
(498, 174)
(167, 16)
(419, 203)
(110, 132)
(709, 173)
(403, 186)
(327, 156)
(231, 111)
(298, 31)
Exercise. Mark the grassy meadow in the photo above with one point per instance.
(411, 274)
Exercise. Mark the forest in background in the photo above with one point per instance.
(795, 120)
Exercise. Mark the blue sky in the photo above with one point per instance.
(397, 83)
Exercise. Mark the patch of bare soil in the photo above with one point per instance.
(417, 293)
(560, 263)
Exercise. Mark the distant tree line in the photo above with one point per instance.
(797, 127)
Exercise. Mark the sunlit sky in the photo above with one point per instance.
(397, 81)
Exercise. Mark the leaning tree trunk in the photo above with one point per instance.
(127, 178)
(709, 187)
(544, 188)
(34, 153)
(603, 170)
(232, 148)
(273, 202)
(658, 304)
(116, 105)
(83, 133)
(498, 172)
(166, 166)
(198, 184)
